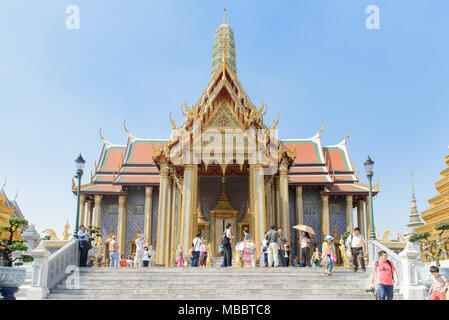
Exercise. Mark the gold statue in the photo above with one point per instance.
(51, 233)
(65, 233)
(344, 256)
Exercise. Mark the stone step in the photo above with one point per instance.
(215, 286)
(211, 296)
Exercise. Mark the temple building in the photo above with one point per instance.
(439, 205)
(169, 190)
(8, 208)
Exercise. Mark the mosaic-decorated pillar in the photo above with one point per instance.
(97, 222)
(82, 209)
(148, 219)
(187, 205)
(268, 204)
(325, 227)
(162, 210)
(277, 207)
(89, 213)
(299, 214)
(361, 217)
(284, 205)
(173, 223)
(259, 204)
(121, 226)
(168, 224)
(349, 215)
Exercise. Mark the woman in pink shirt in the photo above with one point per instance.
(383, 270)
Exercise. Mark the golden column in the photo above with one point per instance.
(167, 225)
(173, 223)
(268, 206)
(177, 217)
(273, 202)
(148, 224)
(83, 209)
(187, 207)
(121, 225)
(97, 222)
(260, 225)
(162, 214)
(361, 217)
(285, 210)
(368, 215)
(325, 229)
(89, 213)
(349, 215)
(277, 216)
(299, 214)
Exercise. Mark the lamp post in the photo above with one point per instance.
(369, 166)
(79, 162)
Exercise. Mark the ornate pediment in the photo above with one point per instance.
(224, 118)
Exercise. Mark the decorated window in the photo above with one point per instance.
(138, 209)
(113, 209)
(334, 208)
(308, 208)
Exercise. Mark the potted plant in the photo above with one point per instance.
(11, 278)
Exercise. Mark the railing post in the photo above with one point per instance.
(39, 288)
(410, 264)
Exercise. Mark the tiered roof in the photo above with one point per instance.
(12, 204)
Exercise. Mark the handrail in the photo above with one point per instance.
(375, 246)
(59, 261)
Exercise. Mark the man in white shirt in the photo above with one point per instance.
(196, 249)
(139, 250)
(356, 244)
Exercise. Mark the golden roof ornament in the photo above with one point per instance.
(73, 184)
(322, 129)
(101, 136)
(125, 128)
(172, 122)
(4, 184)
(349, 133)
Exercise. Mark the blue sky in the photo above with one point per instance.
(311, 61)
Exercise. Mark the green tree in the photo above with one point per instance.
(439, 244)
(8, 246)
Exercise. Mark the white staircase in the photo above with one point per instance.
(159, 283)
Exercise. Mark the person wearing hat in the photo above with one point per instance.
(328, 255)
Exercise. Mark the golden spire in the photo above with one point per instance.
(224, 16)
(101, 136)
(349, 133)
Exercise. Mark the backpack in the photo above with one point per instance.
(224, 240)
(391, 268)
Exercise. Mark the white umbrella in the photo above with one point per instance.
(303, 227)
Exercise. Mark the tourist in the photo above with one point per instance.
(146, 257)
(203, 254)
(248, 256)
(113, 252)
(180, 255)
(328, 254)
(304, 242)
(84, 245)
(226, 242)
(152, 255)
(439, 285)
(286, 255)
(264, 255)
(129, 262)
(316, 258)
(123, 261)
(272, 237)
(356, 245)
(281, 243)
(196, 249)
(383, 273)
(139, 250)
